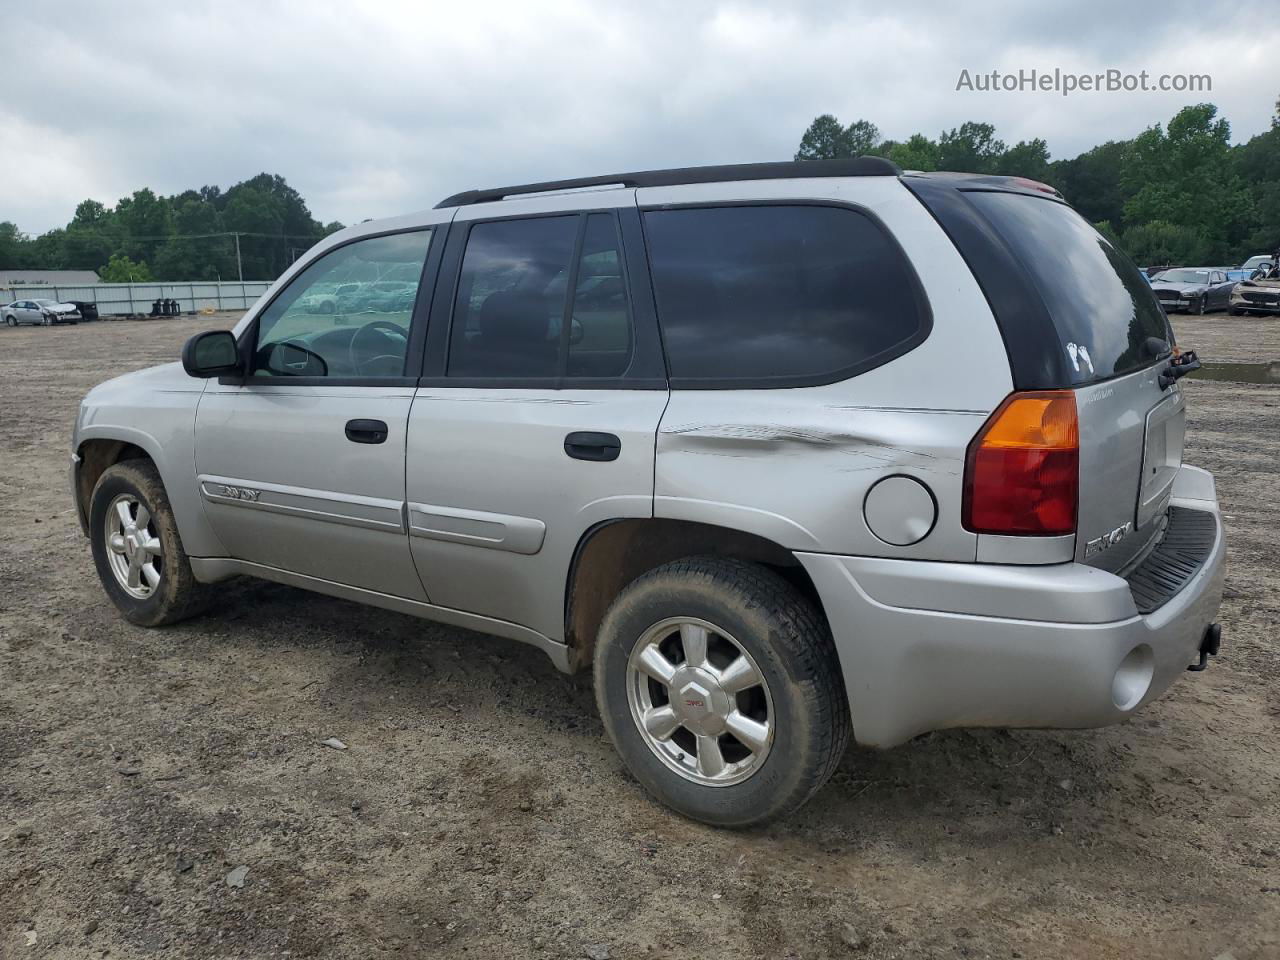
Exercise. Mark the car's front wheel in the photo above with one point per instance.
(137, 550)
(719, 685)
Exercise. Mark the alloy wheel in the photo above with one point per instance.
(700, 701)
(134, 551)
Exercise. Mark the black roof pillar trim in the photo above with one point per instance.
(1036, 359)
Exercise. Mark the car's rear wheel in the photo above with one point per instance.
(137, 550)
(719, 685)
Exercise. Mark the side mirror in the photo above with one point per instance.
(291, 359)
(211, 354)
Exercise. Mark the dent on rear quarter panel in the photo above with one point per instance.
(795, 465)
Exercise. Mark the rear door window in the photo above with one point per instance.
(778, 295)
(514, 300)
(600, 338)
(1103, 310)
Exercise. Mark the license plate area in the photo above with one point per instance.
(1161, 456)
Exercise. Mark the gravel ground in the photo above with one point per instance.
(477, 809)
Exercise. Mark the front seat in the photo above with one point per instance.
(512, 338)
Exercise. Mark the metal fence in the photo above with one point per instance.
(136, 299)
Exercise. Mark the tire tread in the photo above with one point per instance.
(803, 640)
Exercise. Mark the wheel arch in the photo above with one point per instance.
(96, 455)
(613, 553)
(101, 446)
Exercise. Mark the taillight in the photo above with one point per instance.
(1022, 470)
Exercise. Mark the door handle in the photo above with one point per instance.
(366, 431)
(585, 445)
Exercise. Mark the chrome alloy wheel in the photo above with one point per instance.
(133, 546)
(700, 701)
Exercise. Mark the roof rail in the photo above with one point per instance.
(785, 170)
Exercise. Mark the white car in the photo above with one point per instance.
(39, 312)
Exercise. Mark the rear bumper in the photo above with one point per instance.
(928, 646)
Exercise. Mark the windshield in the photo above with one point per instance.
(47, 303)
(1101, 306)
(1185, 276)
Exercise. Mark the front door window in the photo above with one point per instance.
(347, 315)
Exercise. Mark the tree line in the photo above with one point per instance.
(189, 236)
(1179, 193)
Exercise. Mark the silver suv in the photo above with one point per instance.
(787, 452)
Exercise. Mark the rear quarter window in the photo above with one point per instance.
(779, 295)
(1103, 310)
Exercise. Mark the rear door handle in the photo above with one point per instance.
(585, 445)
(366, 431)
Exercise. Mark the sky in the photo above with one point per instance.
(373, 109)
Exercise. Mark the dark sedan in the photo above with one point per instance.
(1192, 289)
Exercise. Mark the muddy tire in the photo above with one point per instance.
(719, 685)
(137, 550)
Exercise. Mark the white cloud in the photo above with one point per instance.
(375, 109)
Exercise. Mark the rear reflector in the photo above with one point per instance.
(1022, 470)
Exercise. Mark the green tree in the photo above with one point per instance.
(826, 139)
(1159, 243)
(1026, 158)
(120, 269)
(1091, 181)
(90, 213)
(917, 153)
(192, 253)
(254, 211)
(49, 250)
(145, 222)
(1184, 177)
(180, 237)
(970, 148)
(12, 245)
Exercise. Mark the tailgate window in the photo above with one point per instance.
(1102, 308)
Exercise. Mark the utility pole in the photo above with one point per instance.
(239, 267)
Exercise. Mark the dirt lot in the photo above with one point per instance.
(480, 812)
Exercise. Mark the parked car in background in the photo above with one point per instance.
(787, 453)
(1256, 296)
(332, 300)
(39, 312)
(88, 310)
(1257, 262)
(1193, 289)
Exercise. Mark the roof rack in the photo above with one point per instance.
(785, 170)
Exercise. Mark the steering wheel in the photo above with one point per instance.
(387, 331)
